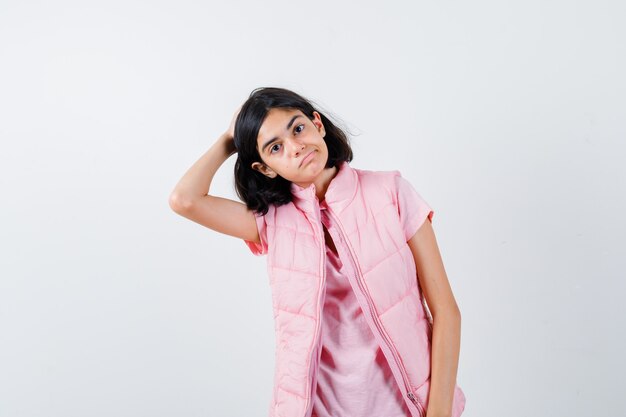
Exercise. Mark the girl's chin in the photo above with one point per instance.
(309, 177)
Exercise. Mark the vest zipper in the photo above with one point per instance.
(405, 378)
(317, 327)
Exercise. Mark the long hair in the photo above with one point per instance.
(256, 190)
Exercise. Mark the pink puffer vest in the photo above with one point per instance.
(365, 206)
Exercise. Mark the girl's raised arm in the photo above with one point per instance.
(191, 199)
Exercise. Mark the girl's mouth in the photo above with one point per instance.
(307, 158)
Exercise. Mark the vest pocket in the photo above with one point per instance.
(458, 403)
(421, 393)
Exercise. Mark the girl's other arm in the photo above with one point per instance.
(190, 198)
(446, 320)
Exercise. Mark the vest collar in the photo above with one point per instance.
(339, 193)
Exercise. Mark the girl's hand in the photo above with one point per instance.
(231, 129)
(229, 135)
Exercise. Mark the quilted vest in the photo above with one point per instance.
(364, 205)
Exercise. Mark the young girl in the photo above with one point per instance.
(366, 322)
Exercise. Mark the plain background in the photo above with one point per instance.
(507, 117)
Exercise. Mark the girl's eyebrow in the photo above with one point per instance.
(265, 145)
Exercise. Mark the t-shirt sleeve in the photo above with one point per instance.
(412, 208)
(259, 248)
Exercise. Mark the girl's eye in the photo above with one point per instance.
(274, 148)
(299, 126)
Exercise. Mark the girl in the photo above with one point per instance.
(366, 322)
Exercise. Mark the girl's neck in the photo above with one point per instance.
(323, 181)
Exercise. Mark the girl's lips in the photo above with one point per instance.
(307, 158)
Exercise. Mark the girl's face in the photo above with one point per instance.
(292, 145)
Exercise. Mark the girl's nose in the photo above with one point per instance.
(296, 147)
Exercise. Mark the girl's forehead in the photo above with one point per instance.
(277, 122)
(279, 113)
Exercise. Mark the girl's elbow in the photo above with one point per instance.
(179, 203)
(456, 312)
(453, 313)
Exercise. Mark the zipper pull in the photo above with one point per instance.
(414, 400)
(412, 397)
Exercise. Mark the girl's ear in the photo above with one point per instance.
(317, 121)
(264, 169)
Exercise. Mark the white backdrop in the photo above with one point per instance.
(507, 117)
